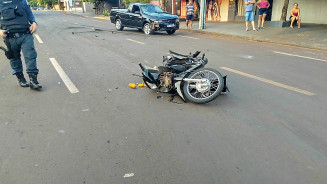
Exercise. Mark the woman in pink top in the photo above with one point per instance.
(263, 6)
(295, 15)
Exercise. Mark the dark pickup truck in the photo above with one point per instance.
(146, 17)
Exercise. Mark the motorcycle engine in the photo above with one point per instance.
(166, 80)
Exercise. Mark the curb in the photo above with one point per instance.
(251, 39)
(102, 18)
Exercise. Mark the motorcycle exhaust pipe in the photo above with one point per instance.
(195, 80)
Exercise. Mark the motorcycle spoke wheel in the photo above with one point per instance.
(206, 91)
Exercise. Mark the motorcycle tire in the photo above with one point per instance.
(196, 93)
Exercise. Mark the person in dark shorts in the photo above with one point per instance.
(263, 6)
(190, 14)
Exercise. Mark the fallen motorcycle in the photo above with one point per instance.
(186, 76)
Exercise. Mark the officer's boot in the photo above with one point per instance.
(34, 84)
(21, 80)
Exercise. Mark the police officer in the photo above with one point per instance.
(17, 24)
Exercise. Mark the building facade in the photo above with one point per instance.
(312, 11)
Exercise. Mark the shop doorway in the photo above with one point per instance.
(268, 17)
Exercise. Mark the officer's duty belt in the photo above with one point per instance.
(17, 35)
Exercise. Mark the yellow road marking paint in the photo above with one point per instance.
(102, 18)
(269, 81)
(135, 41)
(300, 56)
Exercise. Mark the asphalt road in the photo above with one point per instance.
(271, 128)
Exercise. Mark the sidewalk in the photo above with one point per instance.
(309, 36)
(88, 14)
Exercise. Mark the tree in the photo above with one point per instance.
(284, 10)
(51, 2)
(32, 3)
(127, 2)
(40, 2)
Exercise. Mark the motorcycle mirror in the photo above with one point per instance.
(203, 56)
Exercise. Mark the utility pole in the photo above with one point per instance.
(202, 22)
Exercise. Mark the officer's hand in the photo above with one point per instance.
(2, 33)
(33, 28)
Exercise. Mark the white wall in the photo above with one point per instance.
(224, 10)
(312, 11)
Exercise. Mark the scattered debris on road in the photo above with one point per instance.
(128, 175)
(134, 86)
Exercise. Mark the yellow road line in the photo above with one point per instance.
(300, 56)
(135, 41)
(269, 81)
(102, 18)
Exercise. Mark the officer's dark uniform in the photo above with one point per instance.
(16, 18)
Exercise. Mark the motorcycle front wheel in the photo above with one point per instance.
(203, 92)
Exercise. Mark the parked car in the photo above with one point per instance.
(146, 17)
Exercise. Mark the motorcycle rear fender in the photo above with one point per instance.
(178, 86)
(148, 76)
(179, 83)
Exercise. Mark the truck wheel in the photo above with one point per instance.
(147, 29)
(171, 31)
(118, 25)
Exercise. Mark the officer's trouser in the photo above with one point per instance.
(24, 43)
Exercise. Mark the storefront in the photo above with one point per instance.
(234, 10)
(216, 10)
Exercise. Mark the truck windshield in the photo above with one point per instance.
(151, 9)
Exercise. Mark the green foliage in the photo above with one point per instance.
(41, 2)
(94, 1)
(51, 2)
(46, 2)
(33, 3)
(127, 2)
(106, 13)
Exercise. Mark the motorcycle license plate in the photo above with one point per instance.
(171, 25)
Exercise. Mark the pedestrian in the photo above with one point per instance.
(16, 27)
(122, 5)
(263, 6)
(295, 15)
(190, 8)
(249, 14)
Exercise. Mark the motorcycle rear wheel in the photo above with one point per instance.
(201, 93)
